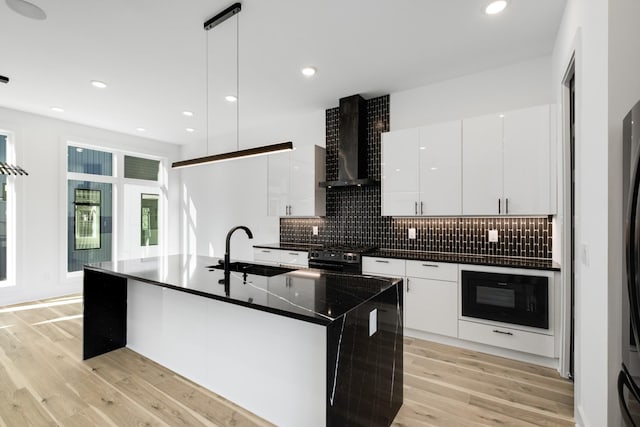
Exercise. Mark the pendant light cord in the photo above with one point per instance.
(238, 82)
(207, 86)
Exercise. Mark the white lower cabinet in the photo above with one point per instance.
(389, 267)
(432, 306)
(513, 339)
(281, 256)
(431, 302)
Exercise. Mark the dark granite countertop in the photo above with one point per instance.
(289, 246)
(310, 295)
(495, 261)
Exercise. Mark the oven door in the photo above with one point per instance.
(508, 298)
(335, 266)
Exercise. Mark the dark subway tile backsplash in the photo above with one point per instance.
(354, 213)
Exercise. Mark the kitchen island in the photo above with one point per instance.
(303, 347)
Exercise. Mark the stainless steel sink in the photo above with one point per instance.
(258, 269)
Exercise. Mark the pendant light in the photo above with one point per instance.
(7, 168)
(230, 11)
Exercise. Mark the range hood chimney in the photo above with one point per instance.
(352, 144)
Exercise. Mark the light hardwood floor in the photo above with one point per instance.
(44, 382)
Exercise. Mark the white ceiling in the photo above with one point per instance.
(153, 54)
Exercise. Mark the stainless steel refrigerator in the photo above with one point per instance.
(628, 386)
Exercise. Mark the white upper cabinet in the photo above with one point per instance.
(293, 180)
(506, 163)
(440, 151)
(400, 172)
(482, 165)
(527, 162)
(421, 171)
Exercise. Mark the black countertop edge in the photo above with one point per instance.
(289, 246)
(490, 260)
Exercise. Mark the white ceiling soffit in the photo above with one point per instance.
(153, 55)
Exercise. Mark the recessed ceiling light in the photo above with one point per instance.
(140, 129)
(495, 7)
(98, 84)
(501, 116)
(26, 9)
(190, 129)
(57, 109)
(231, 98)
(187, 113)
(309, 71)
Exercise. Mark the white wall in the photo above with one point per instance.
(584, 30)
(40, 145)
(217, 197)
(520, 85)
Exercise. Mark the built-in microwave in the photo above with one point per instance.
(509, 298)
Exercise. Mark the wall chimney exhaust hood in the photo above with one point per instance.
(352, 145)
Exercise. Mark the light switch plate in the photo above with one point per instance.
(373, 321)
(493, 236)
(315, 230)
(412, 233)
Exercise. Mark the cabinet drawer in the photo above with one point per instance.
(433, 270)
(297, 258)
(266, 255)
(383, 266)
(514, 339)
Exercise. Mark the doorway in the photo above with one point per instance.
(570, 202)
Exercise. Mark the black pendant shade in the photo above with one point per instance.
(4, 79)
(8, 169)
(249, 152)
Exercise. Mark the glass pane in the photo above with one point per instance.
(3, 211)
(89, 223)
(87, 219)
(139, 168)
(84, 160)
(149, 220)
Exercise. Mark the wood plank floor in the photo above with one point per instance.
(44, 382)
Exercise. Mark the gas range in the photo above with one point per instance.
(346, 258)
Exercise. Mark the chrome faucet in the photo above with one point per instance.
(227, 256)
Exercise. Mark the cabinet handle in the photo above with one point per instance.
(499, 205)
(416, 208)
(293, 253)
(421, 208)
(266, 252)
(408, 285)
(286, 209)
(506, 208)
(502, 332)
(430, 265)
(290, 210)
(382, 261)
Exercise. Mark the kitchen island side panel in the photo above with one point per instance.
(104, 313)
(365, 363)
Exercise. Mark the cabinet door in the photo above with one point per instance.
(306, 198)
(400, 173)
(440, 152)
(432, 306)
(482, 165)
(526, 161)
(278, 184)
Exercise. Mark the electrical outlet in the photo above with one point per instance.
(412, 233)
(315, 230)
(493, 236)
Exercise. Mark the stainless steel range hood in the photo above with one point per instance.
(352, 145)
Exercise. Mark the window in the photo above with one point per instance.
(149, 220)
(139, 168)
(3, 211)
(89, 209)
